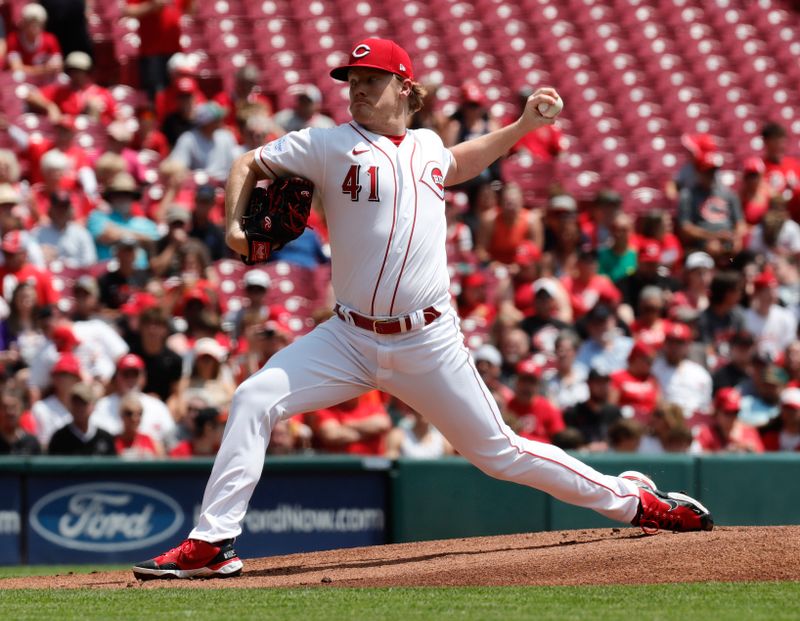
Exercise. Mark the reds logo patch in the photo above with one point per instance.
(259, 251)
(361, 51)
(433, 177)
(715, 210)
(267, 224)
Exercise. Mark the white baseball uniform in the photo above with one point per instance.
(384, 206)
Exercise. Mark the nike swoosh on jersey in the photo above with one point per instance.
(359, 152)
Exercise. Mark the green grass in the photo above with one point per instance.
(715, 601)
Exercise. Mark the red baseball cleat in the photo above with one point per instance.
(666, 511)
(192, 559)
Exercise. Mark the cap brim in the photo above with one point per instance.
(340, 73)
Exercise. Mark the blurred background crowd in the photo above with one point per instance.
(627, 280)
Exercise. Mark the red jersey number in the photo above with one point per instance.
(351, 184)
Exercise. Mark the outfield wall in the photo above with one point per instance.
(56, 510)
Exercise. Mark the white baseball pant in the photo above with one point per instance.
(428, 368)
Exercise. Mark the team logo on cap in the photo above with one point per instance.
(433, 177)
(267, 224)
(361, 50)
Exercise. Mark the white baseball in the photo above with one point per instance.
(551, 110)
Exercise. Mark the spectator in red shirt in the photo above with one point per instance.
(17, 267)
(783, 433)
(635, 389)
(782, 172)
(755, 192)
(182, 85)
(246, 98)
(207, 428)
(516, 294)
(472, 301)
(120, 137)
(650, 327)
(32, 50)
(130, 443)
(79, 95)
(357, 426)
(502, 230)
(159, 33)
(698, 272)
(725, 432)
(586, 287)
(60, 172)
(534, 417)
(147, 136)
(655, 225)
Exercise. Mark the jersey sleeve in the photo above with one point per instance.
(297, 153)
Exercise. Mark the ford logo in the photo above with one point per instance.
(106, 517)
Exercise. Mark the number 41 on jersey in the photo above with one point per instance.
(351, 184)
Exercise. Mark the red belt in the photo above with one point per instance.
(395, 325)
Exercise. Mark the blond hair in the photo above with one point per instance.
(416, 97)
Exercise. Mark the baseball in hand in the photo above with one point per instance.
(551, 110)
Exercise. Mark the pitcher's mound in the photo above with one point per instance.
(603, 556)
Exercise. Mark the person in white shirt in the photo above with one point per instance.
(209, 146)
(52, 413)
(682, 381)
(157, 422)
(773, 326)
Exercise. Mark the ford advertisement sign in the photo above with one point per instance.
(79, 519)
(85, 521)
(106, 517)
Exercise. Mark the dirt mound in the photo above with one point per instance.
(607, 556)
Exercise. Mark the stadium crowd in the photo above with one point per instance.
(126, 325)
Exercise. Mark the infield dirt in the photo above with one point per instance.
(581, 557)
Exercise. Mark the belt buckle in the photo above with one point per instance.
(378, 322)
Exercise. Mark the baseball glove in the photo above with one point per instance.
(276, 216)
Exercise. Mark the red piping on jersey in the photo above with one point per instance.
(521, 450)
(410, 235)
(394, 218)
(263, 161)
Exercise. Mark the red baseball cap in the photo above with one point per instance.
(471, 92)
(130, 361)
(64, 338)
(709, 160)
(698, 143)
(186, 85)
(138, 302)
(640, 348)
(754, 165)
(380, 54)
(12, 242)
(278, 320)
(649, 252)
(475, 279)
(67, 363)
(765, 280)
(528, 368)
(197, 293)
(527, 253)
(728, 399)
(679, 332)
